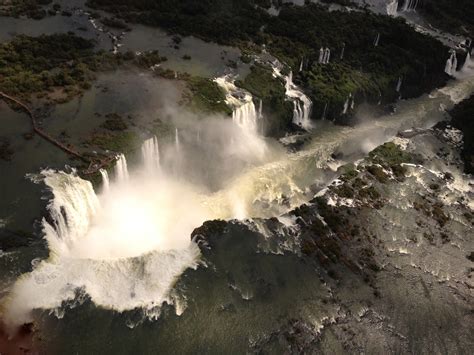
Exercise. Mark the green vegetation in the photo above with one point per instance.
(116, 141)
(29, 8)
(263, 86)
(114, 122)
(390, 156)
(59, 66)
(206, 96)
(39, 64)
(454, 16)
(462, 118)
(224, 21)
(367, 72)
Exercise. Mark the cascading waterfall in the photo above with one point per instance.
(301, 65)
(151, 154)
(121, 169)
(347, 105)
(244, 115)
(105, 180)
(323, 116)
(410, 5)
(176, 139)
(324, 55)
(392, 8)
(399, 84)
(451, 63)
(342, 51)
(467, 62)
(377, 40)
(301, 103)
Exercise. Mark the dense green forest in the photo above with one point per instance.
(454, 16)
(366, 71)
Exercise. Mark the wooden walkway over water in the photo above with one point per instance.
(94, 165)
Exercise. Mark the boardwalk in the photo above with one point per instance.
(94, 166)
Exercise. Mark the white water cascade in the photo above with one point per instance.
(151, 155)
(468, 63)
(323, 116)
(324, 55)
(244, 115)
(301, 103)
(342, 51)
(377, 40)
(176, 139)
(105, 180)
(399, 84)
(392, 8)
(121, 169)
(451, 64)
(410, 5)
(347, 105)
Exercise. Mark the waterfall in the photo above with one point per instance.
(410, 5)
(451, 64)
(327, 55)
(323, 117)
(346, 104)
(342, 51)
(151, 154)
(121, 169)
(301, 65)
(176, 139)
(301, 103)
(72, 208)
(245, 114)
(105, 180)
(377, 40)
(392, 8)
(399, 84)
(467, 63)
(324, 55)
(246, 117)
(260, 109)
